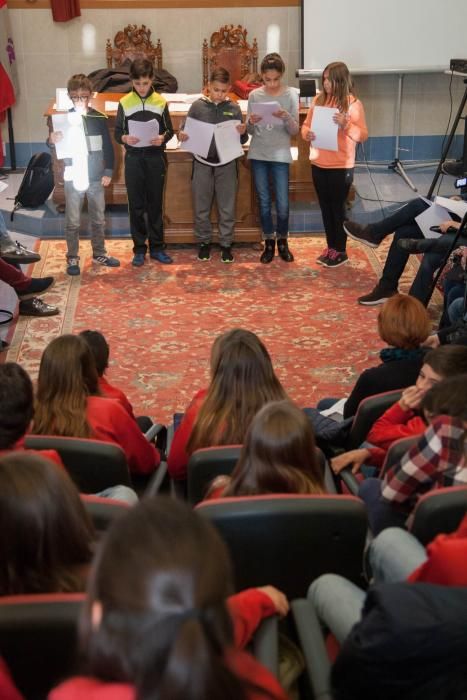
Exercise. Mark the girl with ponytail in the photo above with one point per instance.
(156, 624)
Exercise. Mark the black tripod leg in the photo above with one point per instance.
(461, 231)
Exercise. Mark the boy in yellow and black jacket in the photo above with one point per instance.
(146, 166)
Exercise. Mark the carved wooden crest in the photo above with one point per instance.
(133, 42)
(229, 48)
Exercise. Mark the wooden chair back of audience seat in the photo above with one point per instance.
(369, 410)
(103, 511)
(228, 48)
(92, 464)
(289, 540)
(38, 639)
(439, 512)
(130, 43)
(207, 464)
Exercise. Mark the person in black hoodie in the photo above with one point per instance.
(212, 176)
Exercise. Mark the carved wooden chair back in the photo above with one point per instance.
(228, 48)
(131, 43)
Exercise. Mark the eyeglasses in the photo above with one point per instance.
(80, 98)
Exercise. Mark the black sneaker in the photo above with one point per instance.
(17, 253)
(204, 252)
(36, 307)
(335, 258)
(321, 258)
(360, 233)
(36, 286)
(226, 254)
(378, 296)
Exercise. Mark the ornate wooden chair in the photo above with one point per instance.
(133, 42)
(228, 47)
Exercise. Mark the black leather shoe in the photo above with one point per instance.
(36, 287)
(36, 307)
(18, 253)
(268, 252)
(283, 250)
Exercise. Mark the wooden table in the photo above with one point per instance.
(178, 210)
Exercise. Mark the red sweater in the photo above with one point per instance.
(395, 423)
(247, 609)
(177, 460)
(447, 560)
(48, 454)
(113, 392)
(111, 423)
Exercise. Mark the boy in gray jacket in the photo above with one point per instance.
(211, 177)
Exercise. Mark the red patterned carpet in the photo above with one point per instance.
(160, 320)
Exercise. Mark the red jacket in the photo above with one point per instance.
(48, 454)
(113, 392)
(177, 460)
(111, 423)
(247, 609)
(394, 424)
(447, 560)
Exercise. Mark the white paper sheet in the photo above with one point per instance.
(228, 140)
(199, 137)
(64, 147)
(181, 107)
(265, 110)
(337, 407)
(110, 106)
(243, 104)
(144, 131)
(433, 216)
(3, 185)
(62, 101)
(173, 143)
(452, 205)
(189, 98)
(324, 128)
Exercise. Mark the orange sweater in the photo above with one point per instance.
(355, 132)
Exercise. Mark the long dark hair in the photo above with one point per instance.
(46, 535)
(67, 376)
(161, 579)
(278, 456)
(242, 381)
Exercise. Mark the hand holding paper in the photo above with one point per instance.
(267, 112)
(145, 132)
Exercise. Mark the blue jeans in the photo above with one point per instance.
(456, 310)
(394, 554)
(271, 175)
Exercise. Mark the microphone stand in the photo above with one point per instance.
(461, 232)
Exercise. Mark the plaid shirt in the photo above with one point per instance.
(438, 459)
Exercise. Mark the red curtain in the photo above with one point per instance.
(64, 10)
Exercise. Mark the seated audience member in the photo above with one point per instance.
(28, 290)
(242, 381)
(437, 459)
(12, 251)
(349, 613)
(403, 224)
(16, 410)
(404, 419)
(403, 324)
(46, 536)
(101, 351)
(156, 623)
(278, 456)
(68, 403)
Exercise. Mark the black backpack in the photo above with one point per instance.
(37, 183)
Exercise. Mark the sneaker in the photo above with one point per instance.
(36, 307)
(226, 254)
(360, 233)
(378, 296)
(72, 266)
(36, 287)
(204, 252)
(106, 261)
(324, 255)
(335, 258)
(283, 250)
(161, 256)
(453, 167)
(138, 259)
(17, 253)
